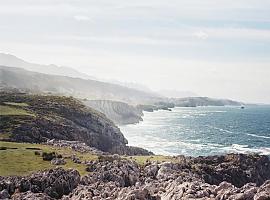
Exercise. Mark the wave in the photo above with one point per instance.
(258, 136)
(237, 148)
(220, 129)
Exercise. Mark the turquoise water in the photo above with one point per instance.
(203, 131)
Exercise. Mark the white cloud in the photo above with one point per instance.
(201, 35)
(81, 18)
(126, 38)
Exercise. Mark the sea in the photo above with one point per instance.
(203, 131)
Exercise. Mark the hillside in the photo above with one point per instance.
(51, 69)
(34, 82)
(13, 61)
(203, 101)
(36, 118)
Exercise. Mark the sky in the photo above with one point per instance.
(216, 48)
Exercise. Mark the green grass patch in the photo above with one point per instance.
(23, 161)
(4, 136)
(9, 110)
(16, 104)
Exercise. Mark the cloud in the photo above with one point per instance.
(201, 35)
(245, 34)
(81, 18)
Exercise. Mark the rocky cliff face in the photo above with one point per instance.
(64, 118)
(118, 112)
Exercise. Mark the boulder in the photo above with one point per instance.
(48, 156)
(54, 183)
(263, 192)
(58, 161)
(30, 195)
(4, 194)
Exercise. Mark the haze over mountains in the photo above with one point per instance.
(81, 88)
(136, 89)
(18, 74)
(13, 61)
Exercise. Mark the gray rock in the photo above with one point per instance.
(31, 196)
(263, 192)
(58, 161)
(54, 182)
(4, 194)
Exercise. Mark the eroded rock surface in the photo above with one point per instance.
(112, 177)
(54, 183)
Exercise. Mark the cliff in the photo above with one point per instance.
(118, 112)
(37, 118)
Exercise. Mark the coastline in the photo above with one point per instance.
(169, 133)
(81, 169)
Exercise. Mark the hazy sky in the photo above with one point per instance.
(217, 48)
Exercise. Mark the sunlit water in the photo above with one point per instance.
(203, 131)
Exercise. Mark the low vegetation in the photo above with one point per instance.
(20, 158)
(16, 104)
(12, 110)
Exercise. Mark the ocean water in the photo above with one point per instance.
(203, 131)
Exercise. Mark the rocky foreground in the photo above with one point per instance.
(233, 176)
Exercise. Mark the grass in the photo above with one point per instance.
(9, 110)
(23, 161)
(16, 104)
(4, 136)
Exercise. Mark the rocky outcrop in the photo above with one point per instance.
(75, 146)
(263, 193)
(61, 118)
(58, 161)
(119, 112)
(30, 195)
(54, 183)
(112, 177)
(156, 106)
(237, 169)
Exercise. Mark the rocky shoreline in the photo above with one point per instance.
(232, 176)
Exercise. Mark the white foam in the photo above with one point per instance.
(258, 136)
(237, 148)
(220, 129)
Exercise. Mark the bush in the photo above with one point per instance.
(48, 156)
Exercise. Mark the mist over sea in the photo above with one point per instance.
(203, 131)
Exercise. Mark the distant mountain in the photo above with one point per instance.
(13, 61)
(203, 101)
(11, 77)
